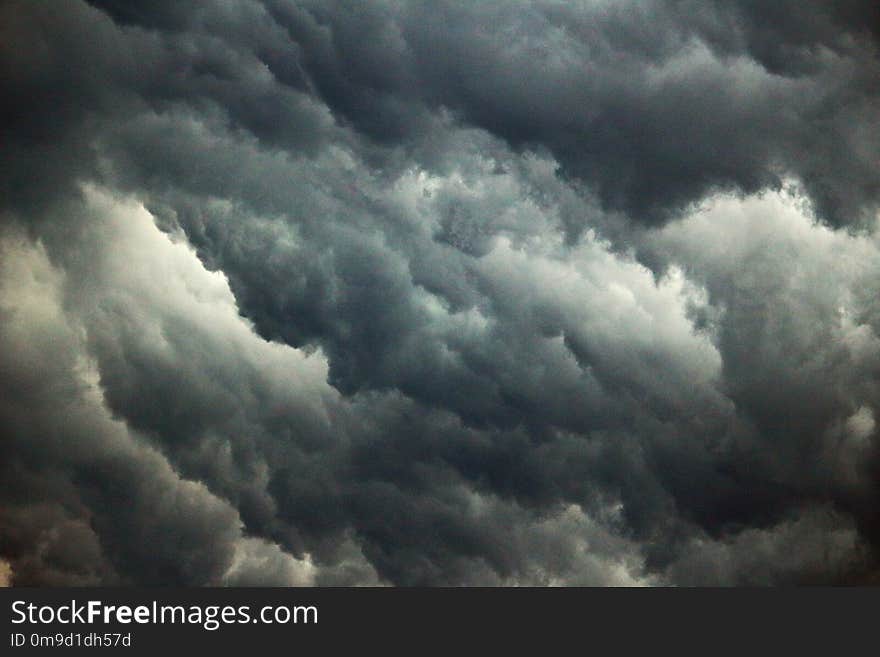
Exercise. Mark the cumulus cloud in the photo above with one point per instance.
(439, 293)
(87, 499)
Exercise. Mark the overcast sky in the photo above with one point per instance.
(439, 293)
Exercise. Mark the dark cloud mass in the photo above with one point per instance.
(422, 293)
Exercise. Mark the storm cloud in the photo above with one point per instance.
(421, 293)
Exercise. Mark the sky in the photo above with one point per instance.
(387, 292)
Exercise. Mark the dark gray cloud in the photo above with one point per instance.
(439, 293)
(653, 105)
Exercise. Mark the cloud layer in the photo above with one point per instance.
(439, 293)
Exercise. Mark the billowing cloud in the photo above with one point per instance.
(439, 293)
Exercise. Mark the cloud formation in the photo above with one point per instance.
(439, 293)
